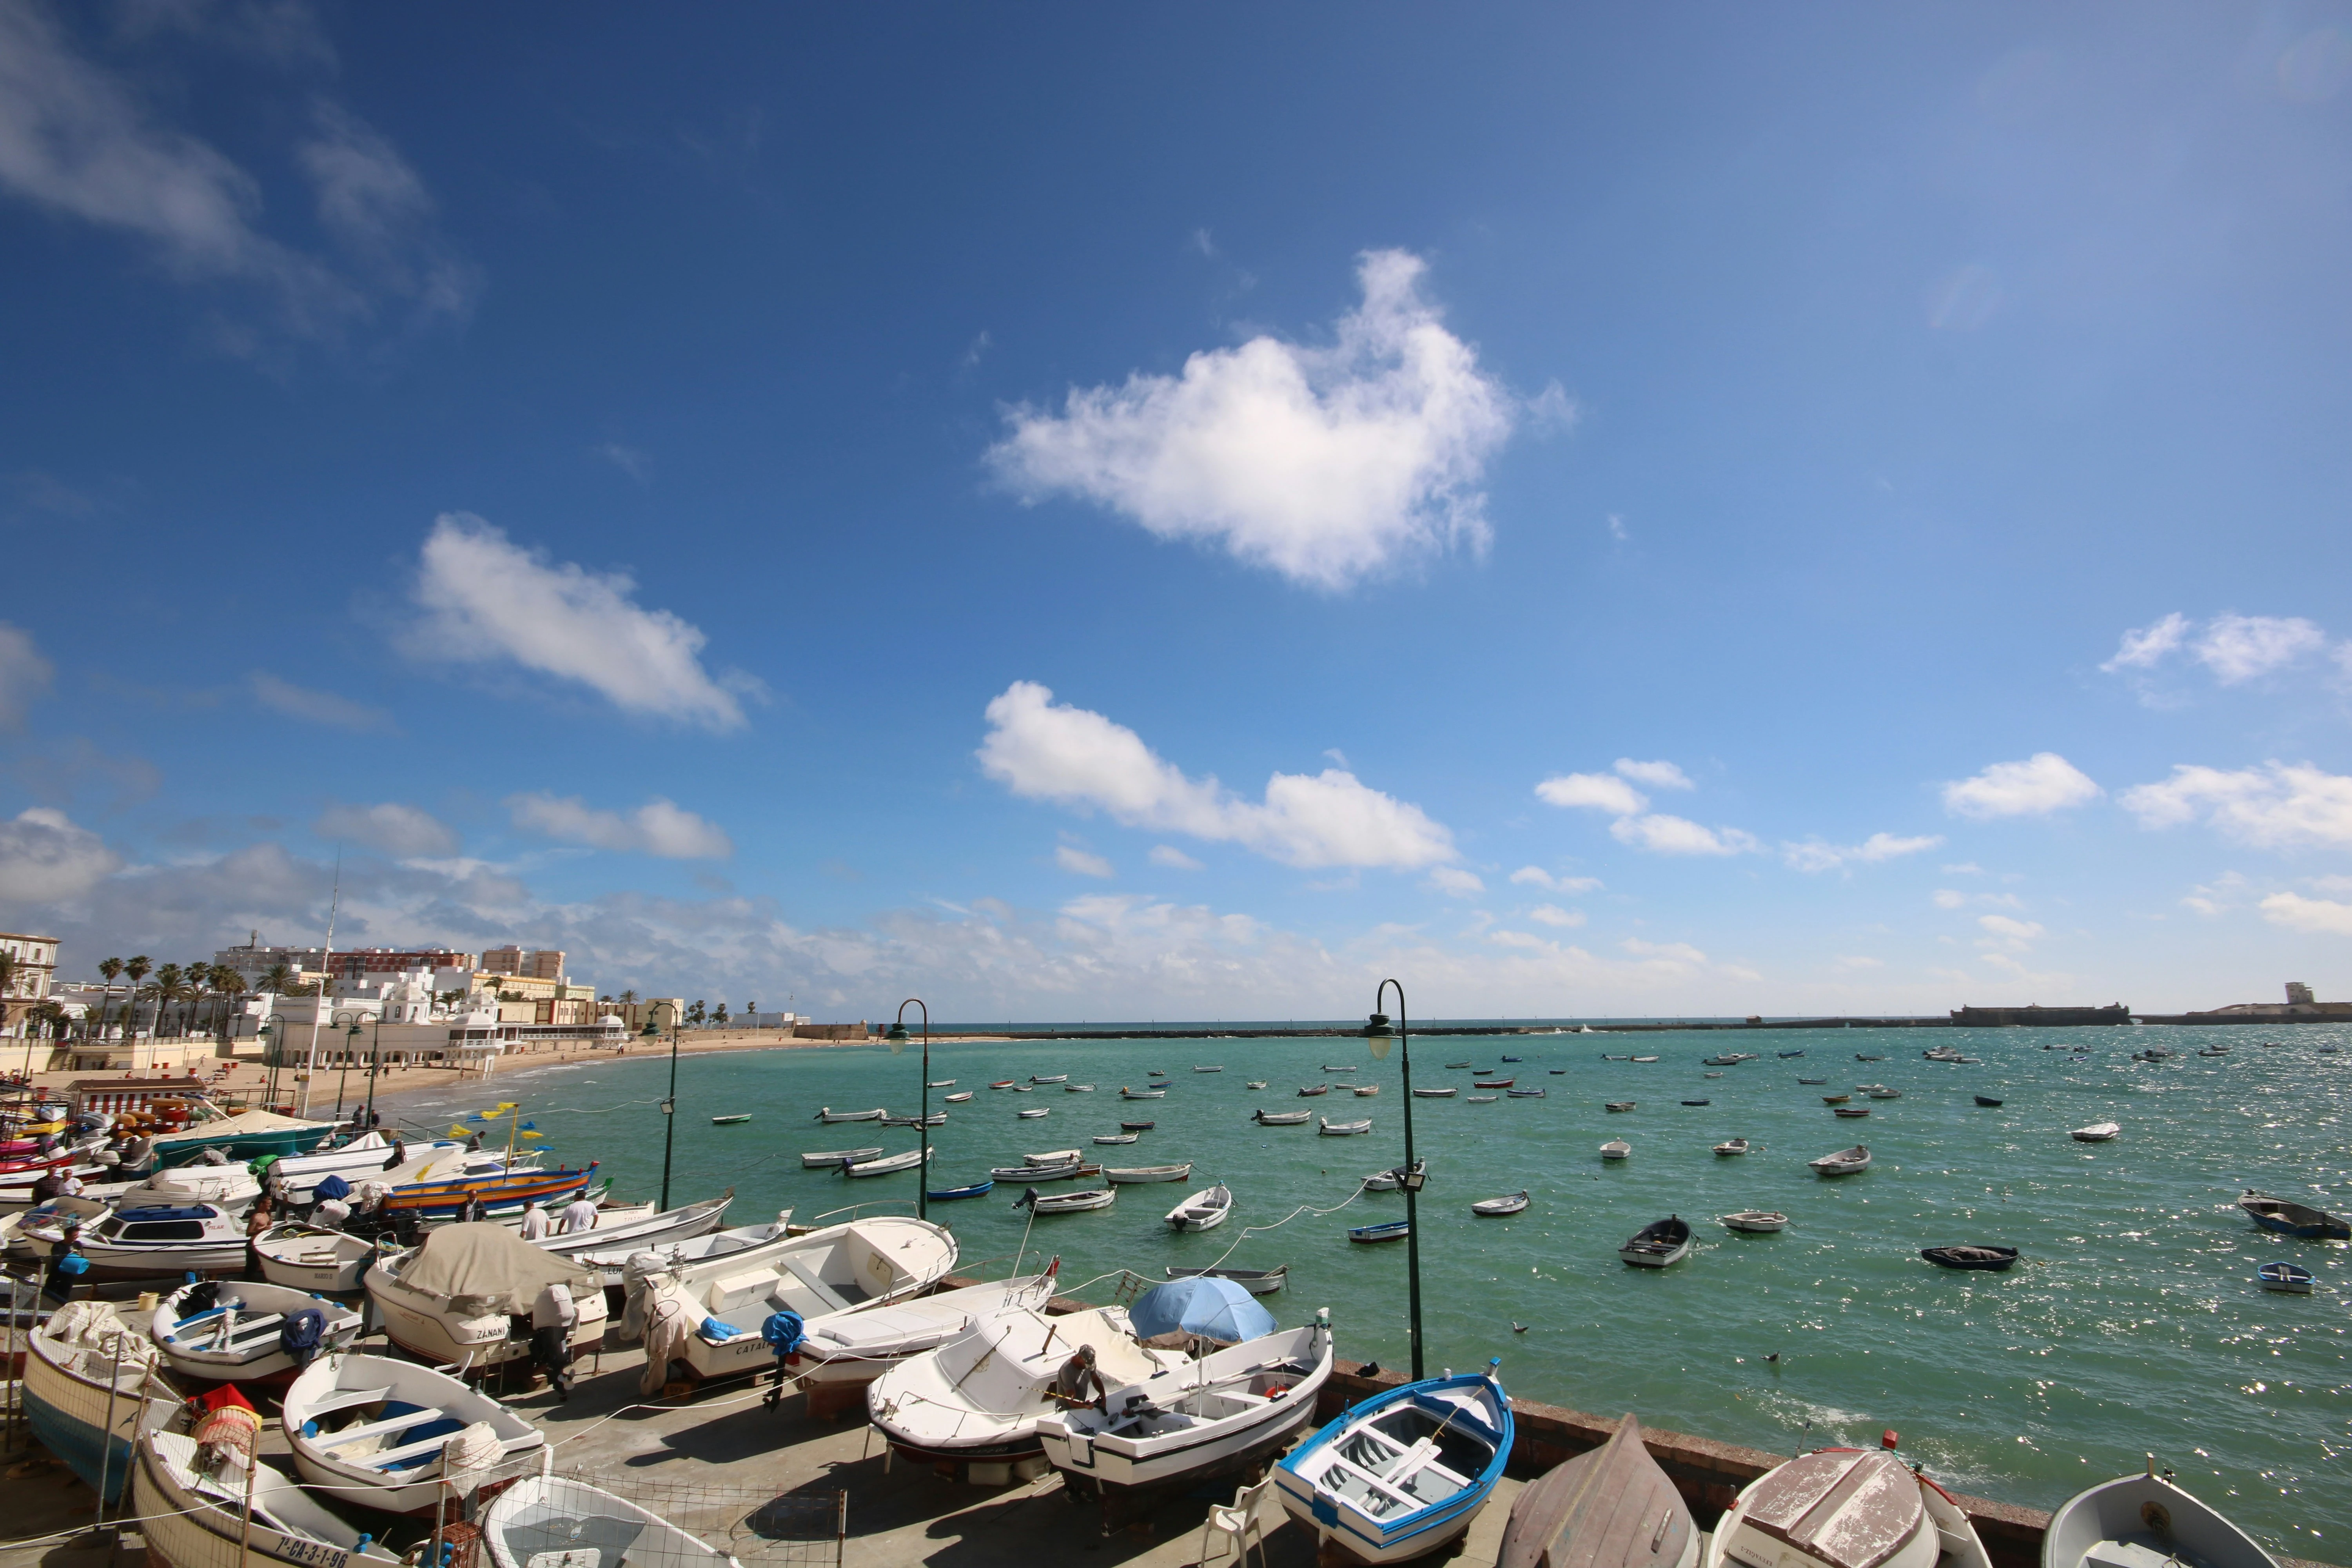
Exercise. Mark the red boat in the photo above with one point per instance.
(36, 1163)
(501, 1194)
(1004, 1083)
(1493, 1083)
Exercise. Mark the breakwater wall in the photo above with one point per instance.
(1330, 1031)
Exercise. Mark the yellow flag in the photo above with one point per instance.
(456, 1132)
(534, 1135)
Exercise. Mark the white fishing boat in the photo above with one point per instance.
(1659, 1244)
(1384, 1181)
(1760, 1222)
(1222, 1413)
(551, 1521)
(1254, 1083)
(829, 1115)
(148, 1243)
(455, 1296)
(940, 1083)
(191, 1520)
(1883, 1092)
(1403, 1473)
(1058, 1078)
(243, 1332)
(2096, 1132)
(92, 1382)
(1363, 1091)
(1204, 1210)
(1731, 1146)
(1132, 1175)
(313, 1257)
(1492, 1208)
(1435, 1093)
(1077, 1088)
(745, 1244)
(1030, 1115)
(976, 1400)
(1208, 1069)
(1845, 1162)
(230, 1188)
(959, 1098)
(2145, 1520)
(889, 1165)
(645, 1232)
(716, 1308)
(1845, 1508)
(848, 1349)
(1126, 1093)
(821, 1159)
(368, 1155)
(1616, 1149)
(1117, 1137)
(1330, 1129)
(1066, 1203)
(1265, 1118)
(1052, 1157)
(395, 1436)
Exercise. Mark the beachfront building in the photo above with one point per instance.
(32, 968)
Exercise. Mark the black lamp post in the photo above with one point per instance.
(351, 1046)
(669, 1106)
(375, 1065)
(1379, 1034)
(897, 1038)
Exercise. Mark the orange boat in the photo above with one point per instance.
(501, 1194)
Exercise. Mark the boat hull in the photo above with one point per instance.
(69, 1413)
(1354, 1534)
(187, 1529)
(1111, 1462)
(324, 1465)
(2119, 1510)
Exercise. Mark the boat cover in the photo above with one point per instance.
(488, 1263)
(1843, 1508)
(244, 1124)
(1211, 1308)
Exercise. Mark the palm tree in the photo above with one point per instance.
(110, 968)
(232, 987)
(171, 987)
(694, 1013)
(137, 968)
(278, 979)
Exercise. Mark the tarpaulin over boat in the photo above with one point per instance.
(490, 1265)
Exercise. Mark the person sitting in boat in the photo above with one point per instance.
(580, 1215)
(473, 1144)
(1079, 1384)
(551, 1319)
(399, 1154)
(534, 1221)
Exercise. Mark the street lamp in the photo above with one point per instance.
(351, 1048)
(669, 1106)
(1379, 1035)
(375, 1065)
(897, 1038)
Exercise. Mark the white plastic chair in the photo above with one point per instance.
(1239, 1521)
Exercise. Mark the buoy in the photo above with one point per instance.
(1887, 1438)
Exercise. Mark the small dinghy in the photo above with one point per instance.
(1220, 1416)
(2290, 1278)
(1001, 1083)
(1265, 1118)
(1609, 1508)
(240, 1333)
(1133, 1175)
(1256, 1281)
(1204, 1210)
(829, 1114)
(387, 1433)
(1987, 1101)
(1492, 1208)
(1435, 1093)
(1310, 1091)
(1835, 1098)
(959, 1098)
(1865, 1056)
(1849, 1111)
(1990, 1260)
(1845, 1508)
(1619, 1105)
(1786, 1056)
(1845, 1162)
(556, 1522)
(1053, 1157)
(1255, 1083)
(1328, 1067)
(950, 1195)
(2096, 1132)
(1403, 1473)
(823, 1159)
(1330, 1129)
(1812, 1080)
(1515, 1059)
(2287, 1219)
(1480, 1099)
(1733, 1146)
(1058, 1078)
(1616, 1149)
(1077, 1088)
(195, 1520)
(936, 1119)
(1383, 1181)
(1644, 1058)
(1115, 1137)
(1698, 1102)
(1126, 1093)
(1455, 1067)
(1199, 1068)
(1754, 1221)
(1884, 1093)
(849, 1350)
(1138, 1126)
(1364, 1090)
(890, 1165)
(1030, 1115)
(1494, 1083)
(1658, 1243)
(1529, 1093)
(940, 1083)
(1035, 1172)
(2145, 1520)
(1387, 1230)
(1066, 1203)
(312, 1257)
(1710, 1075)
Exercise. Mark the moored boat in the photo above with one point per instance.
(889, 1164)
(1386, 1230)
(1616, 1149)
(970, 1190)
(1126, 1093)
(828, 1114)
(1403, 1473)
(1133, 1175)
(2096, 1132)
(2290, 1278)
(1309, 1092)
(1610, 1507)
(1435, 1093)
(1845, 1162)
(2145, 1518)
(1990, 1260)
(379, 1432)
(1204, 1210)
(818, 1159)
(1733, 1146)
(1330, 1129)
(1256, 1281)
(1988, 1101)
(1757, 1221)
(1620, 1105)
(2289, 1218)
(1066, 1203)
(1658, 1243)
(1850, 1110)
(1492, 1208)
(1845, 1508)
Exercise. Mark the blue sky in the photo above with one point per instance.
(1079, 514)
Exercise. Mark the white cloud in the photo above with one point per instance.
(1046, 752)
(1857, 960)
(1553, 915)
(1947, 899)
(1456, 883)
(1964, 869)
(46, 858)
(2325, 917)
(2010, 930)
(2143, 646)
(1657, 775)
(633, 461)
(1323, 464)
(657, 827)
(392, 828)
(1175, 860)
(2043, 783)
(1663, 834)
(1670, 952)
(78, 140)
(486, 600)
(2239, 647)
(1601, 792)
(1537, 877)
(314, 707)
(1815, 856)
(2278, 805)
(1617, 528)
(1070, 857)
(25, 674)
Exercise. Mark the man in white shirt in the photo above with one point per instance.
(534, 1221)
(581, 1214)
(553, 1317)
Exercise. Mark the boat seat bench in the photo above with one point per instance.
(350, 1399)
(400, 1423)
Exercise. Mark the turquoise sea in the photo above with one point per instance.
(2133, 1325)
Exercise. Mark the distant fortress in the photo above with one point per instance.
(2039, 1017)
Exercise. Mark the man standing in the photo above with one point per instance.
(553, 1317)
(534, 1221)
(580, 1215)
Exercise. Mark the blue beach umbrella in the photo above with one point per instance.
(1207, 1306)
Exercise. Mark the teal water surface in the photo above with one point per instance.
(2133, 1325)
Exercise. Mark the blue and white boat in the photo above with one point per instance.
(1403, 1473)
(92, 1380)
(1387, 1230)
(973, 1190)
(2288, 1218)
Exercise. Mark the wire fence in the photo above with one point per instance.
(803, 1529)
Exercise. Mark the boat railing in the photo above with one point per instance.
(854, 1210)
